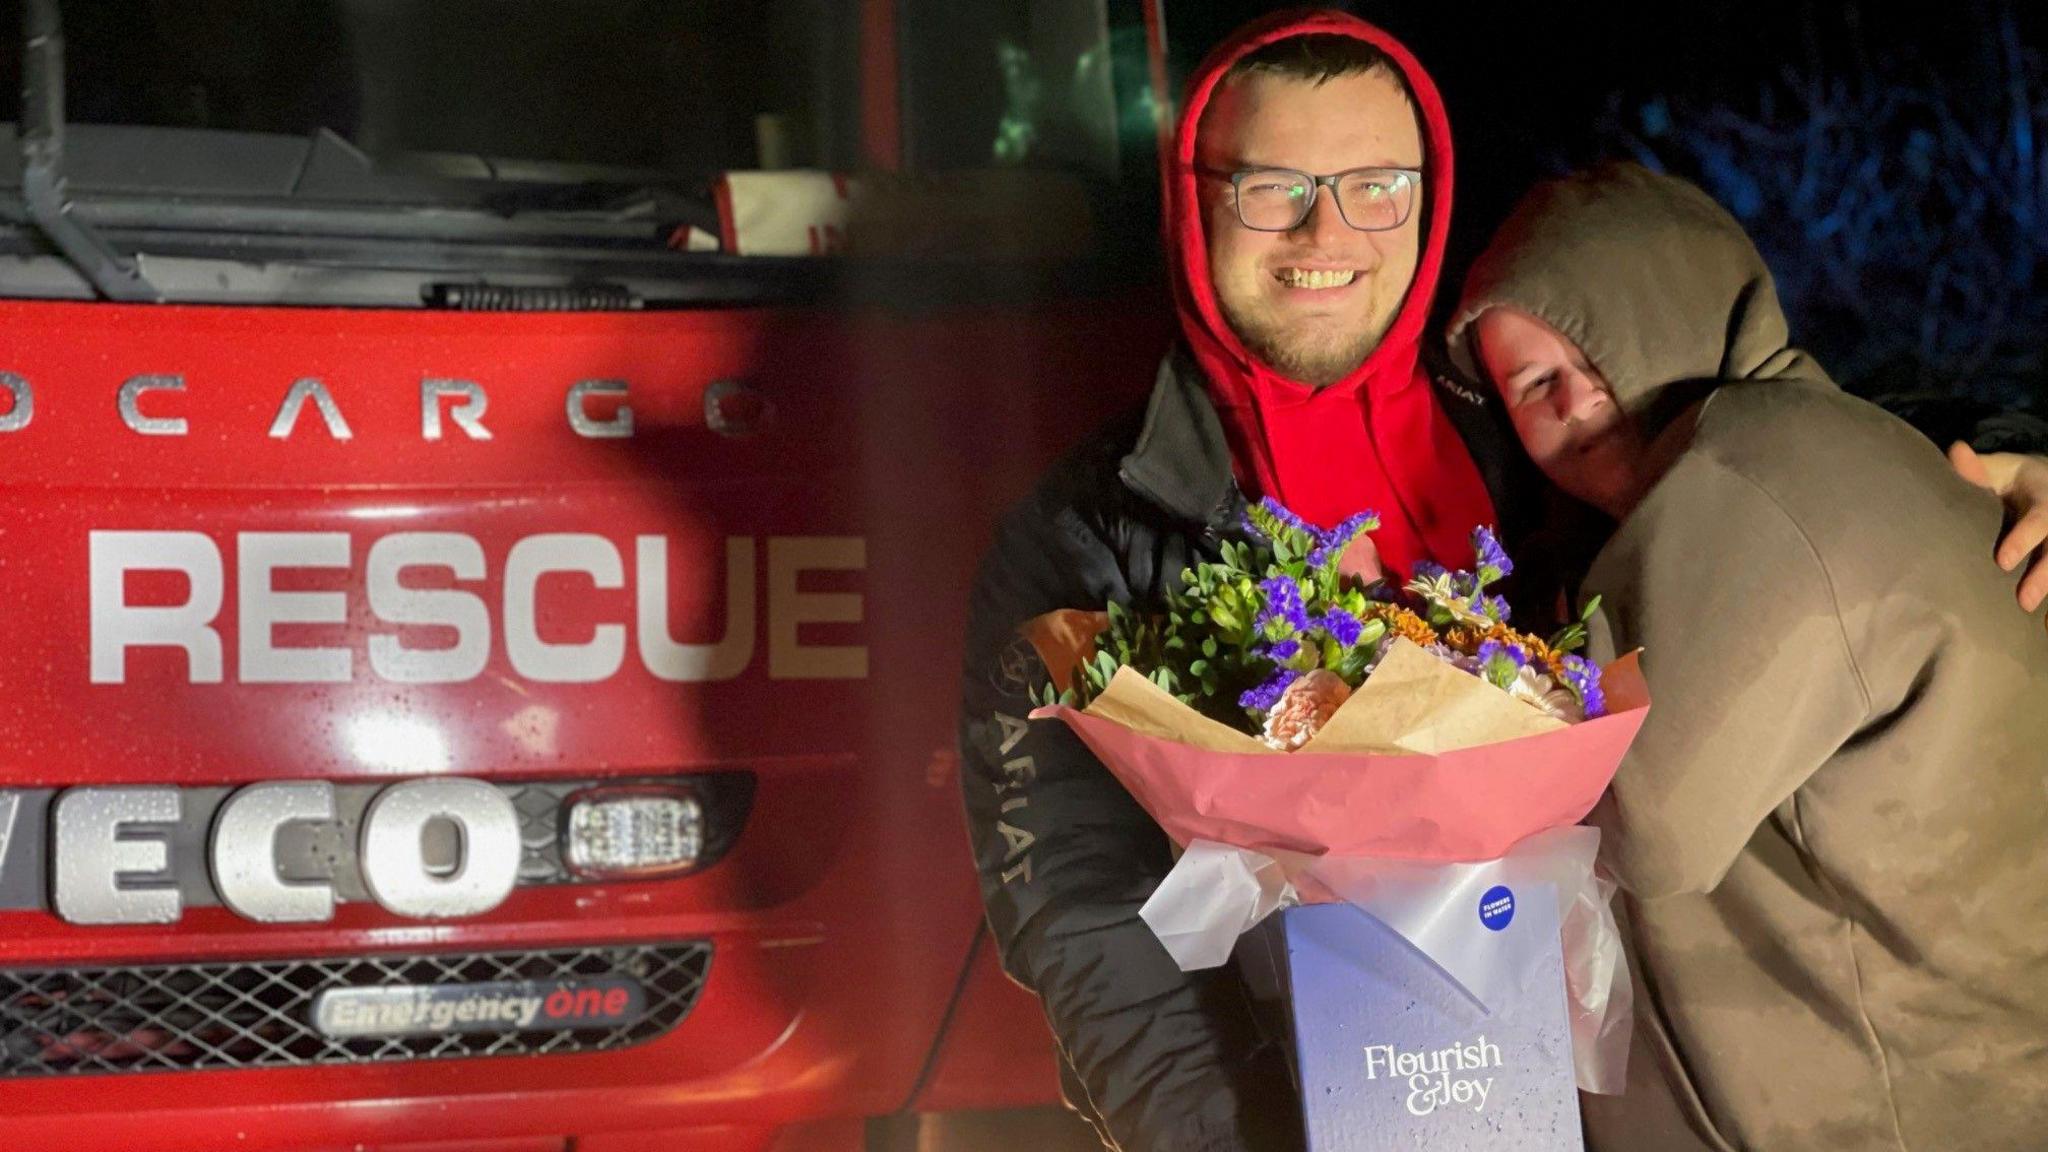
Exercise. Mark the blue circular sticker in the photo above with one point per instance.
(1497, 907)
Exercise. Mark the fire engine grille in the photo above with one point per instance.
(74, 1021)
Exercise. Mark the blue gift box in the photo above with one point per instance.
(1391, 1052)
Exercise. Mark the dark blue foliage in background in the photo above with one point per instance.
(1898, 198)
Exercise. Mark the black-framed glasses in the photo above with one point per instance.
(1279, 199)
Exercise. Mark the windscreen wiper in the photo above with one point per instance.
(113, 275)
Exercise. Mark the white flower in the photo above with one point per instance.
(1538, 689)
(1439, 593)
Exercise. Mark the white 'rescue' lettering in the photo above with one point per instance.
(669, 660)
(463, 611)
(118, 625)
(262, 606)
(525, 599)
(787, 608)
(537, 659)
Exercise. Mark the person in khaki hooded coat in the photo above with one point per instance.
(1833, 829)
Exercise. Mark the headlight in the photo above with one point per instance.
(632, 832)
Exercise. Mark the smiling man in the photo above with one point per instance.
(1307, 212)
(1567, 418)
(1310, 266)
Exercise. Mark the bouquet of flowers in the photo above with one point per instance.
(1305, 732)
(1276, 635)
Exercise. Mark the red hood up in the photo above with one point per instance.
(1376, 439)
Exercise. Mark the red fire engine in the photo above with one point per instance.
(483, 596)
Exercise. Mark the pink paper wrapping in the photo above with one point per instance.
(1468, 804)
(1395, 833)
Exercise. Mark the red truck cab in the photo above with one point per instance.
(483, 641)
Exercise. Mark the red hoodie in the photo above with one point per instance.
(1375, 439)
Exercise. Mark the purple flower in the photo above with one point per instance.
(1429, 570)
(1278, 512)
(1494, 607)
(1503, 650)
(1501, 662)
(1490, 553)
(1281, 651)
(1583, 677)
(1352, 525)
(1265, 696)
(1342, 626)
(1454, 658)
(1332, 544)
(1283, 602)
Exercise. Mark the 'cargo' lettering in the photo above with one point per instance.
(312, 389)
(468, 415)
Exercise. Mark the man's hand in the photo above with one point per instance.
(2022, 483)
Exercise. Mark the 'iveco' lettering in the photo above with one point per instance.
(113, 857)
(542, 580)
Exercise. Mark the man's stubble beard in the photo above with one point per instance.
(1317, 363)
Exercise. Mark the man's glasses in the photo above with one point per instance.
(1279, 199)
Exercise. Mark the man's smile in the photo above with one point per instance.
(1316, 279)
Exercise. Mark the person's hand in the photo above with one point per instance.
(1360, 563)
(2022, 483)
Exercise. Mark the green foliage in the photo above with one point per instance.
(1232, 625)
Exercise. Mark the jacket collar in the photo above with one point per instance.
(1181, 461)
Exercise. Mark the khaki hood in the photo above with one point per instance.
(1654, 281)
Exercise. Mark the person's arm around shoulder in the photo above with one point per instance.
(2004, 452)
(1752, 681)
(2021, 483)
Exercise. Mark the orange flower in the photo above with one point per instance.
(1403, 623)
(1304, 708)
